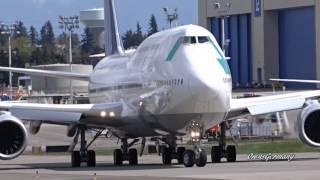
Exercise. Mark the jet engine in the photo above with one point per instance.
(13, 136)
(308, 124)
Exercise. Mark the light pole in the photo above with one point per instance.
(69, 24)
(9, 30)
(223, 9)
(172, 17)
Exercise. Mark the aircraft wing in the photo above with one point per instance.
(65, 114)
(46, 73)
(296, 81)
(59, 113)
(270, 104)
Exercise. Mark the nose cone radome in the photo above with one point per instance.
(202, 90)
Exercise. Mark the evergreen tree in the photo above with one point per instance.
(153, 26)
(34, 36)
(139, 37)
(87, 42)
(47, 34)
(48, 44)
(20, 30)
(128, 39)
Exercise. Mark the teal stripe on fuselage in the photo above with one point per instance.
(174, 50)
(223, 62)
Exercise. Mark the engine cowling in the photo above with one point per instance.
(13, 136)
(308, 124)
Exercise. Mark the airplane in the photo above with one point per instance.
(176, 83)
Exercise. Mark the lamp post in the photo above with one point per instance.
(223, 8)
(69, 24)
(9, 30)
(172, 17)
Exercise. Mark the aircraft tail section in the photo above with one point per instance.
(112, 37)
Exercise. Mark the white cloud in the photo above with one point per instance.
(39, 2)
(62, 2)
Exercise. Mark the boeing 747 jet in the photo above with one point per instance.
(176, 83)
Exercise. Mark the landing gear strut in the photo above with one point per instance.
(126, 154)
(223, 151)
(84, 155)
(197, 156)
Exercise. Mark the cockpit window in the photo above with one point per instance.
(189, 40)
(203, 39)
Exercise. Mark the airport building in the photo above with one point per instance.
(94, 20)
(266, 38)
(57, 90)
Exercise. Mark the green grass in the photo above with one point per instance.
(279, 146)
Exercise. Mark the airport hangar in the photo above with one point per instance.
(268, 38)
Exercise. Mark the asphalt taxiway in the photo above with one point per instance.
(304, 166)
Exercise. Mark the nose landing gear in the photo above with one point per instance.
(197, 156)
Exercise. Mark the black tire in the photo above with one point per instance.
(75, 159)
(133, 157)
(180, 152)
(91, 161)
(166, 156)
(232, 154)
(201, 159)
(216, 153)
(117, 157)
(188, 158)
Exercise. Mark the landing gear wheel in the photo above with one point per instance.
(180, 153)
(91, 158)
(188, 158)
(75, 159)
(117, 157)
(232, 154)
(216, 153)
(166, 156)
(201, 158)
(133, 156)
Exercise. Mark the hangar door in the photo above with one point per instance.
(297, 45)
(238, 30)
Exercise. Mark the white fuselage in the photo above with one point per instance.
(174, 77)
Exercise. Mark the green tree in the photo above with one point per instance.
(153, 26)
(47, 41)
(20, 30)
(22, 50)
(47, 34)
(133, 39)
(87, 42)
(139, 37)
(34, 36)
(76, 48)
(128, 39)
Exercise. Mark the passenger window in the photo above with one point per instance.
(203, 39)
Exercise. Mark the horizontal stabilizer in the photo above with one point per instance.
(296, 81)
(46, 73)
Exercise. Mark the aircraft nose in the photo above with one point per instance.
(202, 90)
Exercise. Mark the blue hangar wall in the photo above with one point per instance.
(238, 30)
(297, 56)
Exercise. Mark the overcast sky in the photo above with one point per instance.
(36, 12)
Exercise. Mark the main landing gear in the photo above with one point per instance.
(223, 151)
(188, 157)
(126, 154)
(171, 151)
(84, 155)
